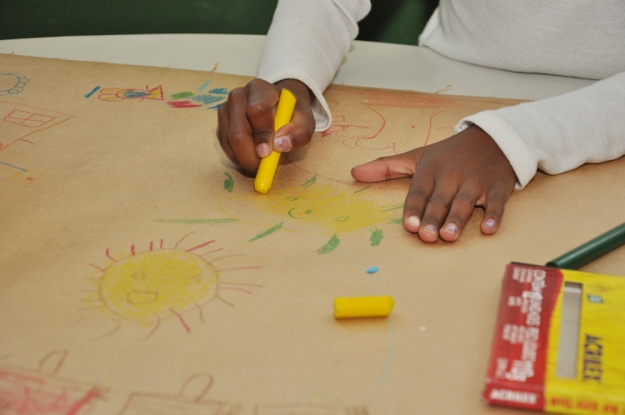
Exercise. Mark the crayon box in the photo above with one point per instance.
(559, 343)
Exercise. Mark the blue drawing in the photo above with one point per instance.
(11, 83)
(222, 91)
(93, 91)
(207, 99)
(211, 100)
(204, 85)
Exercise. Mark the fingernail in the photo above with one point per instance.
(414, 221)
(451, 228)
(284, 143)
(263, 150)
(430, 229)
(490, 223)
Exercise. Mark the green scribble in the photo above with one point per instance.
(181, 95)
(267, 232)
(376, 237)
(392, 221)
(228, 183)
(363, 189)
(330, 245)
(196, 221)
(310, 182)
(392, 207)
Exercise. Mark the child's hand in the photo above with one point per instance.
(245, 128)
(449, 179)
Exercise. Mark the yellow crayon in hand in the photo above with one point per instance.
(268, 165)
(356, 307)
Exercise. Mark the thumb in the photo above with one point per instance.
(386, 168)
(295, 134)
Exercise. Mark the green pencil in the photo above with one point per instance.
(591, 250)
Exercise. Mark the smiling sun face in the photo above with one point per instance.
(156, 284)
(321, 209)
(338, 211)
(147, 287)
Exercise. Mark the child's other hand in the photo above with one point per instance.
(245, 128)
(449, 179)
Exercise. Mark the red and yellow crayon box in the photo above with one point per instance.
(559, 342)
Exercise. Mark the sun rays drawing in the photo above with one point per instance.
(160, 283)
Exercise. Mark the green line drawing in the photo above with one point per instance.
(392, 207)
(267, 232)
(393, 221)
(376, 236)
(362, 190)
(330, 245)
(228, 183)
(310, 181)
(196, 221)
(181, 95)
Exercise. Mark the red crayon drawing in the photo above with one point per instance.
(183, 104)
(20, 121)
(372, 137)
(27, 119)
(35, 392)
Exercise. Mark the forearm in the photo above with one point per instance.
(560, 133)
(307, 41)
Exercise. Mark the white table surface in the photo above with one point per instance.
(380, 65)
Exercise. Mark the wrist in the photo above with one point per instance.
(298, 88)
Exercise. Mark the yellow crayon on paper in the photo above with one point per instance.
(357, 307)
(268, 165)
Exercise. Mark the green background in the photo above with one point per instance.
(393, 21)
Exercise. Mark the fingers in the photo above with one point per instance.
(235, 133)
(449, 180)
(222, 133)
(462, 208)
(387, 168)
(415, 205)
(443, 210)
(262, 99)
(494, 209)
(246, 122)
(436, 210)
(298, 132)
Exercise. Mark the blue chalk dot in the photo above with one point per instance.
(373, 270)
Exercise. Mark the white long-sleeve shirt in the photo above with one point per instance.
(579, 38)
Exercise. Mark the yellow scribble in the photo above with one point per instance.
(154, 284)
(27, 176)
(322, 205)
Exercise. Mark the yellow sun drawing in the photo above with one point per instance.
(326, 210)
(159, 283)
(329, 208)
